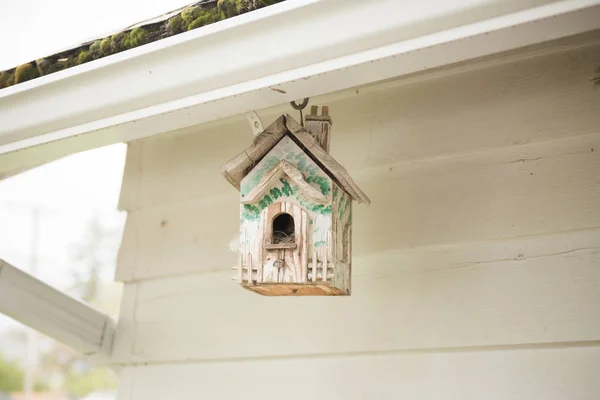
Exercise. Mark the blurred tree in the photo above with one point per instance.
(11, 376)
(97, 379)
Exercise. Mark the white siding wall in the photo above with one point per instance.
(476, 268)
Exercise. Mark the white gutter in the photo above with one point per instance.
(299, 47)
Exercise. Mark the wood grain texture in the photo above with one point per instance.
(523, 101)
(236, 169)
(517, 292)
(295, 289)
(549, 374)
(333, 167)
(531, 189)
(319, 126)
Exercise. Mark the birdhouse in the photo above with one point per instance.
(296, 210)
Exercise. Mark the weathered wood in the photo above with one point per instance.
(249, 269)
(295, 289)
(325, 259)
(314, 265)
(240, 267)
(338, 172)
(259, 273)
(281, 246)
(289, 171)
(319, 126)
(330, 276)
(235, 170)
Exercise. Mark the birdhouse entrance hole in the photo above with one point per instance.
(283, 229)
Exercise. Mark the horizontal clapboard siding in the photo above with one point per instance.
(508, 104)
(536, 290)
(476, 268)
(518, 191)
(549, 374)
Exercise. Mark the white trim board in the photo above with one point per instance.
(160, 87)
(47, 310)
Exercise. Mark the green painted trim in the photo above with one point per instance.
(251, 212)
(287, 150)
(192, 17)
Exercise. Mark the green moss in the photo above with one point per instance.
(190, 14)
(95, 49)
(106, 46)
(70, 62)
(7, 79)
(26, 72)
(138, 37)
(84, 56)
(190, 18)
(230, 8)
(120, 42)
(205, 17)
(176, 25)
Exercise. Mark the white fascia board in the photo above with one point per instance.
(53, 313)
(301, 48)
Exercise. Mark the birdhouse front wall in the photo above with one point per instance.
(287, 216)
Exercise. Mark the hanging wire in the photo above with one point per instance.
(300, 107)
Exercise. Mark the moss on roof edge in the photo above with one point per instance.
(195, 16)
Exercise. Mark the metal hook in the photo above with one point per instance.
(300, 107)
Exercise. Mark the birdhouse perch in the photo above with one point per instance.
(295, 210)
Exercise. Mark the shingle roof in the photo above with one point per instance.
(194, 16)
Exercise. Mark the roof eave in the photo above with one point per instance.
(161, 87)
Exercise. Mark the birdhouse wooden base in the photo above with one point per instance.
(295, 211)
(296, 289)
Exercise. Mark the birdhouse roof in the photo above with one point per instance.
(237, 168)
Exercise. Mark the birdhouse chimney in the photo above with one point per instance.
(319, 126)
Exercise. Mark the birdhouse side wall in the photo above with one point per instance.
(341, 217)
